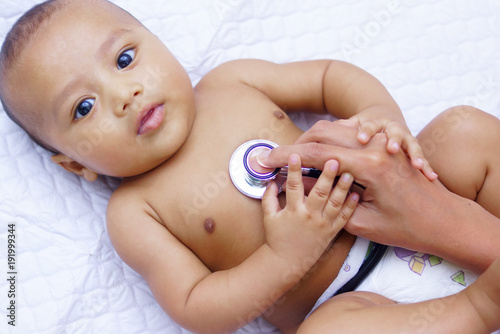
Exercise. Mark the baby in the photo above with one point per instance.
(73, 71)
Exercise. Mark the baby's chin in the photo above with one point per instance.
(135, 170)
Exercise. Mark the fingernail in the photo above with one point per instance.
(346, 177)
(262, 156)
(419, 162)
(355, 197)
(363, 136)
(294, 159)
(334, 165)
(395, 146)
(254, 164)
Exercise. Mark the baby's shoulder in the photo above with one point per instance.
(233, 73)
(125, 203)
(128, 211)
(122, 195)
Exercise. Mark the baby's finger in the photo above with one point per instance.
(366, 130)
(337, 197)
(270, 203)
(345, 212)
(318, 196)
(294, 185)
(412, 148)
(395, 135)
(428, 171)
(418, 161)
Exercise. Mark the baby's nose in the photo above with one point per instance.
(128, 100)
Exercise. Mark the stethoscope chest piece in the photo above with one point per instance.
(247, 176)
(251, 178)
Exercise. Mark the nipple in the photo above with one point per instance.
(209, 225)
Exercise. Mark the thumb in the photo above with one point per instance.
(357, 223)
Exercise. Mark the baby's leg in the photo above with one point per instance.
(474, 310)
(462, 145)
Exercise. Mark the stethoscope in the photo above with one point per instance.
(249, 177)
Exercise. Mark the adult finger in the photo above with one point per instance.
(333, 133)
(312, 155)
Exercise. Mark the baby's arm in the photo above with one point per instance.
(222, 301)
(352, 93)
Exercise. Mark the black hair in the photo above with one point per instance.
(20, 35)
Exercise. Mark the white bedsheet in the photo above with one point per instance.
(431, 54)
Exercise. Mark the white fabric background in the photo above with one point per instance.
(431, 54)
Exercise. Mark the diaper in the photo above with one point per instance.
(349, 269)
(407, 276)
(401, 275)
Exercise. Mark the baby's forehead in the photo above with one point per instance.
(81, 22)
(94, 11)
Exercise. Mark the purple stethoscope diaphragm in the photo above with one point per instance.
(249, 177)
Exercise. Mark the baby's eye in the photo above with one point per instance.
(125, 58)
(84, 108)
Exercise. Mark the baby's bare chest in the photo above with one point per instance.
(194, 195)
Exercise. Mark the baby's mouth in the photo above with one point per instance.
(150, 119)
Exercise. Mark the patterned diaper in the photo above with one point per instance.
(407, 276)
(402, 275)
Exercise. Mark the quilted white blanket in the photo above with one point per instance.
(431, 54)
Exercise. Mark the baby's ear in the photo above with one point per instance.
(74, 167)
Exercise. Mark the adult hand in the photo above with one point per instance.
(381, 214)
(399, 206)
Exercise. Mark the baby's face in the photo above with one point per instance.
(107, 92)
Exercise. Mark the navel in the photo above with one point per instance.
(209, 225)
(279, 114)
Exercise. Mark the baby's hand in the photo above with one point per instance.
(300, 232)
(398, 137)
